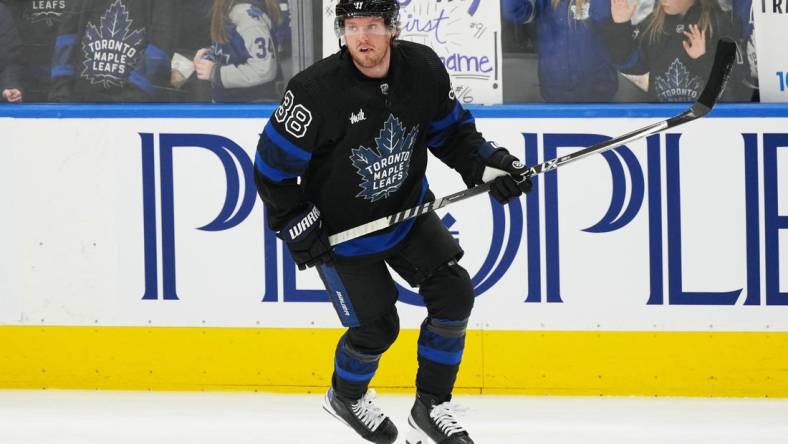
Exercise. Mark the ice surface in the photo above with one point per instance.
(106, 417)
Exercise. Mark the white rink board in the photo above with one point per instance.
(73, 233)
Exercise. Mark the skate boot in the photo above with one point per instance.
(435, 422)
(362, 415)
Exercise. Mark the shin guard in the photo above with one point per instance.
(441, 344)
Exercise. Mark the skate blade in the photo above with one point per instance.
(416, 435)
(330, 410)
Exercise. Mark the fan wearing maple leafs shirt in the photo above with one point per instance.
(113, 51)
(349, 144)
(10, 63)
(242, 64)
(674, 45)
(38, 22)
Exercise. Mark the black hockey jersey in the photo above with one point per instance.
(113, 50)
(10, 63)
(38, 22)
(359, 145)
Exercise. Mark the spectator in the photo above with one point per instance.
(38, 24)
(674, 44)
(574, 65)
(282, 31)
(193, 33)
(10, 51)
(743, 22)
(113, 50)
(242, 63)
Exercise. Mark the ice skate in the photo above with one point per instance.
(363, 416)
(435, 423)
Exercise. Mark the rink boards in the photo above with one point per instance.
(136, 257)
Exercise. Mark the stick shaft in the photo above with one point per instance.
(723, 62)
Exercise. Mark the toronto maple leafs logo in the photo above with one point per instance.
(112, 48)
(383, 169)
(677, 84)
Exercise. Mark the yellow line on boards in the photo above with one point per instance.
(751, 364)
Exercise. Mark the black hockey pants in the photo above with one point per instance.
(364, 294)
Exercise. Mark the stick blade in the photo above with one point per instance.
(718, 77)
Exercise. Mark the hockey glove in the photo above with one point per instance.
(307, 240)
(504, 171)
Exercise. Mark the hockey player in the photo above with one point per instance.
(355, 128)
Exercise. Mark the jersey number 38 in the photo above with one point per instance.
(296, 118)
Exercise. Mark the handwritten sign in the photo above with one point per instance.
(466, 35)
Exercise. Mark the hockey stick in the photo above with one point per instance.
(720, 71)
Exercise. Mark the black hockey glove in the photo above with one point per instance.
(504, 171)
(307, 240)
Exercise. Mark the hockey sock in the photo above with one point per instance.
(352, 370)
(441, 344)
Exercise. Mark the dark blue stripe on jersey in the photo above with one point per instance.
(486, 150)
(62, 71)
(235, 48)
(281, 158)
(141, 82)
(63, 56)
(379, 243)
(285, 145)
(155, 66)
(451, 119)
(442, 129)
(270, 172)
(338, 295)
(437, 140)
(351, 368)
(65, 40)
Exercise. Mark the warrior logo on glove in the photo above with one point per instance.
(305, 223)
